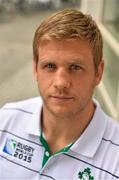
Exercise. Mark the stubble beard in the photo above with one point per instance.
(76, 111)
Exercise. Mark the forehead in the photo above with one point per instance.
(64, 49)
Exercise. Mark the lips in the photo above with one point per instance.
(62, 97)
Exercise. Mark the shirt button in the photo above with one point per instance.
(47, 153)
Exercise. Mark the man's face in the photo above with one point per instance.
(66, 76)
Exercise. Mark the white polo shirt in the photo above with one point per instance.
(95, 155)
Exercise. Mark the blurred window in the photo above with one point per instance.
(111, 73)
(111, 17)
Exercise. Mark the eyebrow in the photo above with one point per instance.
(77, 60)
(72, 60)
(45, 61)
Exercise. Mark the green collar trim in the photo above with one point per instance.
(47, 153)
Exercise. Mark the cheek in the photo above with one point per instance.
(84, 84)
(42, 87)
(44, 83)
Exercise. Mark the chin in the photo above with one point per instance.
(62, 113)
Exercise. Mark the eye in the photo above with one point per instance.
(50, 66)
(75, 67)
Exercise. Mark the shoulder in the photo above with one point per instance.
(110, 142)
(107, 154)
(111, 129)
(111, 135)
(23, 105)
(18, 111)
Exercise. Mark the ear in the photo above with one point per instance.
(34, 66)
(99, 72)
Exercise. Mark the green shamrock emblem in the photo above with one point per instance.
(86, 174)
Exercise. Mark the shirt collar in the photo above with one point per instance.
(90, 140)
(34, 126)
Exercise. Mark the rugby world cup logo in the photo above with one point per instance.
(10, 146)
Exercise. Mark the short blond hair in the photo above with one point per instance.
(70, 23)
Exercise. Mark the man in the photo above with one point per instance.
(63, 134)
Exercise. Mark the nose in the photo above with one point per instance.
(62, 80)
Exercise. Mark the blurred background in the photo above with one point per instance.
(18, 22)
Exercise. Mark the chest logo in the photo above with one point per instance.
(86, 174)
(18, 150)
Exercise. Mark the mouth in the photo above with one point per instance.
(65, 98)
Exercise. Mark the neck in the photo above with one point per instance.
(61, 131)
